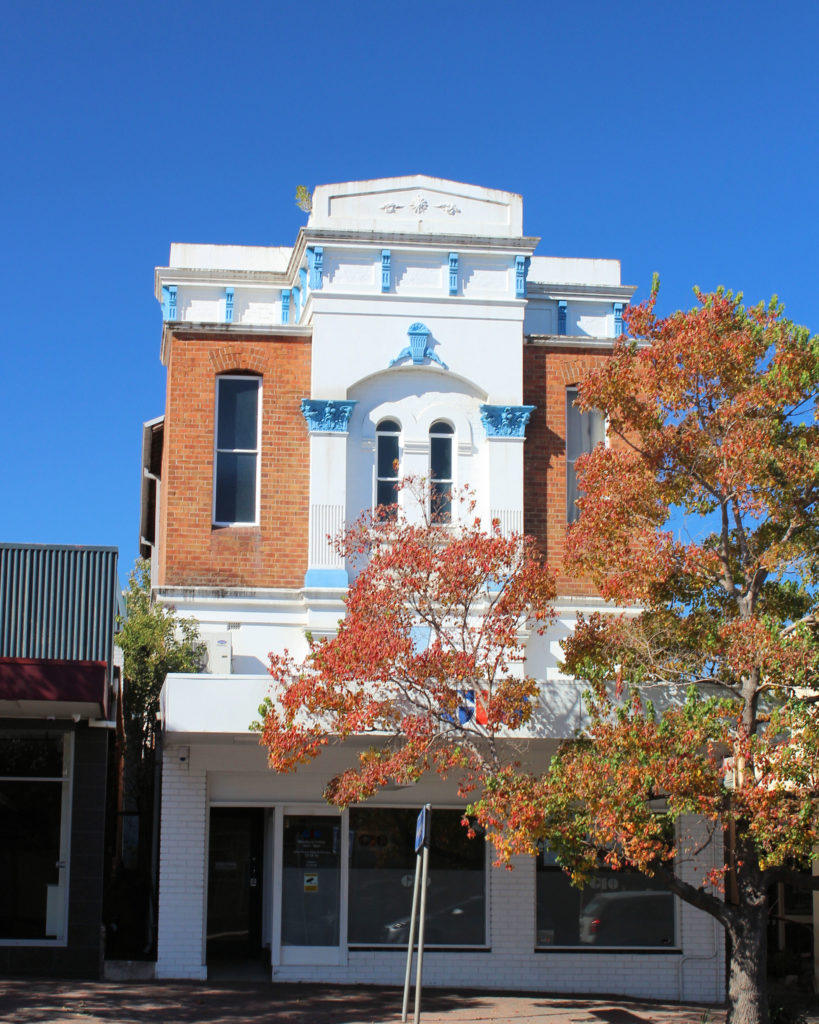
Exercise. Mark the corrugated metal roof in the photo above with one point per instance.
(58, 602)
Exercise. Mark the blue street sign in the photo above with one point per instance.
(422, 829)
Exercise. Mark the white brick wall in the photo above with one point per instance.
(183, 841)
(696, 973)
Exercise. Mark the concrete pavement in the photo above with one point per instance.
(37, 1001)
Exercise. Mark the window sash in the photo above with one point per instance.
(237, 444)
(584, 431)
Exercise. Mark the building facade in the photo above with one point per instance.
(410, 330)
(58, 690)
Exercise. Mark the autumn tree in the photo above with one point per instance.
(429, 659)
(703, 515)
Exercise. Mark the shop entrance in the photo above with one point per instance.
(235, 884)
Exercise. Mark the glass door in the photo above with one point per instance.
(311, 888)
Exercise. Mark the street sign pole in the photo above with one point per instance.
(408, 974)
(418, 969)
(421, 873)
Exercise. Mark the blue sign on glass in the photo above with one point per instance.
(422, 829)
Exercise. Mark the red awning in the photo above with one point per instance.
(26, 680)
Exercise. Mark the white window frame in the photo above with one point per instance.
(451, 437)
(376, 478)
(240, 451)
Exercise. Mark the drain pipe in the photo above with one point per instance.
(697, 957)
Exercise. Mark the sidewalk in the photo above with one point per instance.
(36, 1001)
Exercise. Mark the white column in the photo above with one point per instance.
(181, 933)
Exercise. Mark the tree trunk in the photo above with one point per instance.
(748, 978)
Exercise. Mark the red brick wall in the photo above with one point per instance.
(193, 552)
(546, 375)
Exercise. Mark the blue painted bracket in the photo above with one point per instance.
(386, 270)
(521, 273)
(453, 273)
(169, 302)
(285, 305)
(618, 319)
(418, 349)
(228, 305)
(315, 261)
(296, 304)
(333, 416)
(506, 420)
(561, 317)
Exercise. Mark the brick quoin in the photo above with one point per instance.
(546, 375)
(193, 552)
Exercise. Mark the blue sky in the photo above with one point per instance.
(676, 137)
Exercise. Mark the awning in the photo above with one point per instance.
(37, 688)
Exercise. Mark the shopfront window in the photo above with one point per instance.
(382, 870)
(34, 795)
(615, 909)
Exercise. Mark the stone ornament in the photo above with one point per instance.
(418, 349)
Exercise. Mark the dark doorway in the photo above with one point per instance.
(235, 872)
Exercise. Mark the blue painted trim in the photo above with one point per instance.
(228, 305)
(336, 578)
(386, 270)
(418, 349)
(285, 305)
(521, 273)
(327, 415)
(506, 420)
(169, 302)
(303, 282)
(561, 317)
(296, 304)
(453, 273)
(618, 319)
(315, 261)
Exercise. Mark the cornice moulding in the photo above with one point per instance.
(615, 293)
(568, 341)
(427, 240)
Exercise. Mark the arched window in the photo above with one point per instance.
(236, 455)
(387, 434)
(584, 430)
(440, 472)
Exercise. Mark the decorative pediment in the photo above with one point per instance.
(417, 204)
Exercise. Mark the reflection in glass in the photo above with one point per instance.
(584, 430)
(616, 908)
(382, 866)
(310, 895)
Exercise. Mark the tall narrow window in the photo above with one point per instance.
(584, 430)
(440, 471)
(236, 470)
(387, 434)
